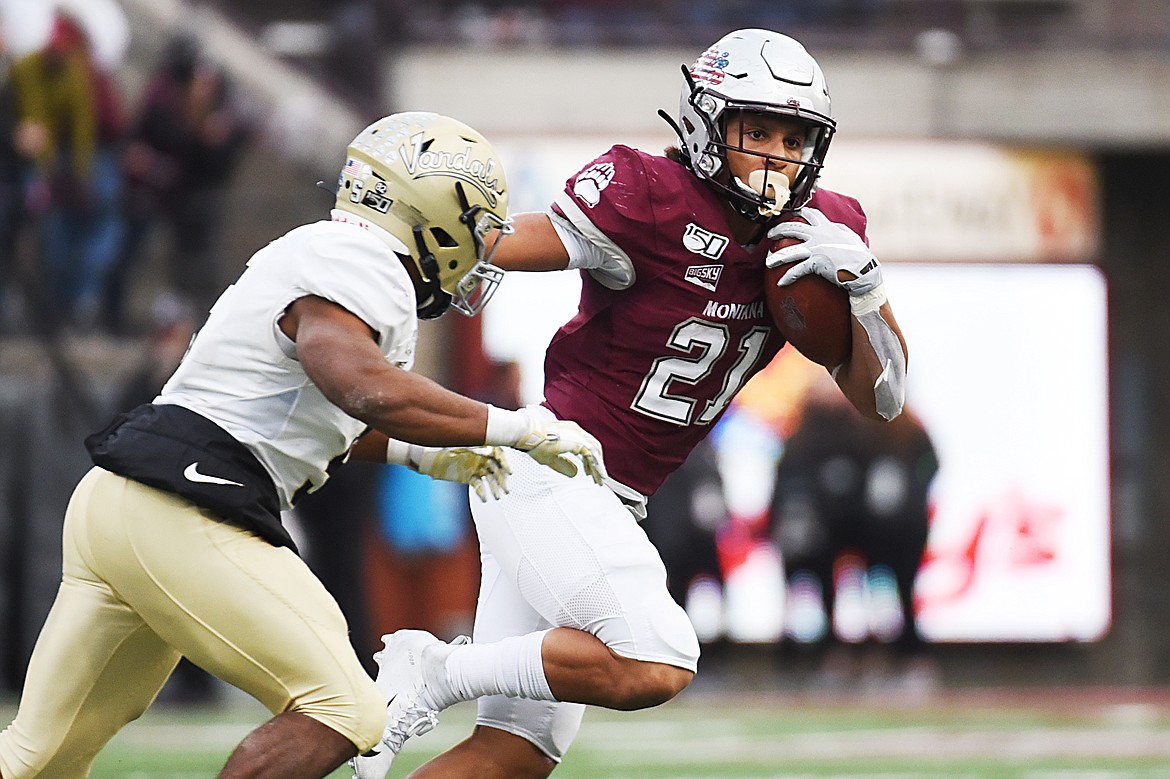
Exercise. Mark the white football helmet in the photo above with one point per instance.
(438, 186)
(761, 71)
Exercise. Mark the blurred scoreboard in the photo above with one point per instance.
(1009, 373)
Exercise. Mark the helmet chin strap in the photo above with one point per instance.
(437, 300)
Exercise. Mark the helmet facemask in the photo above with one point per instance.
(479, 284)
(768, 192)
(475, 288)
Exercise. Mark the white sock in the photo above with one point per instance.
(511, 667)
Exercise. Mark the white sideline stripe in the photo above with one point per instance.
(725, 741)
(946, 742)
(1133, 731)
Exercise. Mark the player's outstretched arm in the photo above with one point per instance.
(533, 246)
(339, 354)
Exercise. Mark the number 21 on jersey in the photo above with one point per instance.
(704, 343)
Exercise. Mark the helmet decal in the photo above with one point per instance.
(479, 173)
(355, 168)
(709, 67)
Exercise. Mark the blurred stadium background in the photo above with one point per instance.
(1014, 159)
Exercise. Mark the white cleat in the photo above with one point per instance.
(376, 763)
(410, 711)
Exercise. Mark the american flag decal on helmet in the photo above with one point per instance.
(355, 168)
(710, 66)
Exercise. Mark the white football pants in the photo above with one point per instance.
(560, 552)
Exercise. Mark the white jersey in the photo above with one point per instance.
(242, 372)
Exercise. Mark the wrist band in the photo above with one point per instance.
(397, 452)
(863, 304)
(403, 453)
(505, 428)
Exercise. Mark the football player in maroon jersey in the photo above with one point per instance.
(573, 607)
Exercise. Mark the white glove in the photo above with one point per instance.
(838, 254)
(483, 467)
(549, 443)
(830, 250)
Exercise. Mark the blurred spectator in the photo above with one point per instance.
(506, 23)
(355, 31)
(817, 506)
(601, 22)
(831, 14)
(182, 151)
(901, 465)
(70, 119)
(850, 516)
(683, 519)
(13, 170)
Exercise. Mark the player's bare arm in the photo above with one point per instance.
(338, 352)
(340, 355)
(534, 246)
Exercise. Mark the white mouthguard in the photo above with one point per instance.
(773, 185)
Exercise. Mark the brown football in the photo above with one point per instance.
(812, 313)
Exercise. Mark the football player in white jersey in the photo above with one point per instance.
(173, 543)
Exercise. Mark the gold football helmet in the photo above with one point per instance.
(438, 186)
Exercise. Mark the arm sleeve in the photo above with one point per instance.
(585, 254)
(607, 204)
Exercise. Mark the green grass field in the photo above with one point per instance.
(1030, 735)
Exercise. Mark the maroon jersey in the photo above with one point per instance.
(649, 368)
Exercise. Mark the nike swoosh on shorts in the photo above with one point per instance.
(191, 473)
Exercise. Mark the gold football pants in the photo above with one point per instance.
(148, 577)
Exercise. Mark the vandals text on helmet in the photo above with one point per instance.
(479, 173)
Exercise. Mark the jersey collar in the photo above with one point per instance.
(382, 234)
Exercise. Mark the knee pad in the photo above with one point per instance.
(657, 631)
(549, 725)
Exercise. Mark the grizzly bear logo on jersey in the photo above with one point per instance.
(589, 184)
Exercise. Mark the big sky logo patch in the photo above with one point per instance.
(705, 276)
